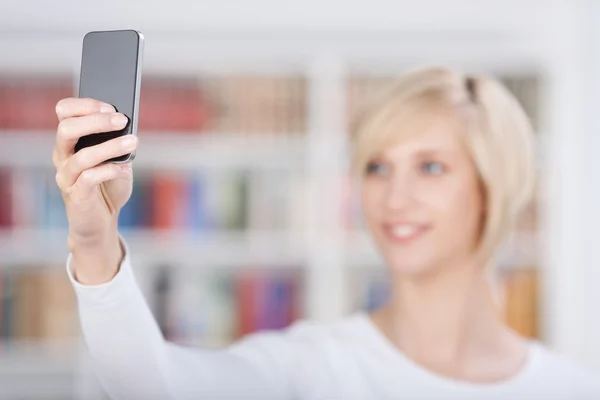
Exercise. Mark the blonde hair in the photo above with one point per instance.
(498, 136)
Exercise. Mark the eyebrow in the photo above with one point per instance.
(436, 152)
(426, 152)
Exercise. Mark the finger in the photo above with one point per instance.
(85, 186)
(71, 129)
(55, 158)
(94, 155)
(78, 107)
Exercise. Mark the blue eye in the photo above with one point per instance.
(433, 168)
(376, 168)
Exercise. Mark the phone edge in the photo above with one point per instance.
(138, 84)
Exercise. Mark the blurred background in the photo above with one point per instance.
(243, 216)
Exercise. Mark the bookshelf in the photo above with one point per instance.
(185, 151)
(284, 154)
(38, 370)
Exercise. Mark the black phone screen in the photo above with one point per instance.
(110, 72)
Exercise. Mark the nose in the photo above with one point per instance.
(399, 194)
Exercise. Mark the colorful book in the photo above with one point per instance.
(6, 199)
(29, 104)
(173, 105)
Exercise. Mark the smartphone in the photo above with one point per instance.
(111, 71)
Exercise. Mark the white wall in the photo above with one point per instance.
(572, 276)
(590, 183)
(186, 15)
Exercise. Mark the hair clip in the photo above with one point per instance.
(470, 85)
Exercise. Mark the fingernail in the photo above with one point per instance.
(106, 108)
(129, 141)
(118, 120)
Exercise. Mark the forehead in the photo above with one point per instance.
(439, 135)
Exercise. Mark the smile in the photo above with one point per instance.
(404, 233)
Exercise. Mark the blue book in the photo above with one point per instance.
(127, 215)
(137, 212)
(54, 212)
(378, 293)
(198, 218)
(7, 300)
(276, 311)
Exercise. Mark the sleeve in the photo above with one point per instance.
(134, 361)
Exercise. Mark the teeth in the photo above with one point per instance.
(404, 231)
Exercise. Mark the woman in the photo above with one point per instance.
(444, 164)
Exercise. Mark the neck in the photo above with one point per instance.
(446, 318)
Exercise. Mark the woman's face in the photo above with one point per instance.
(422, 200)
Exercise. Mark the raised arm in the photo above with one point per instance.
(131, 358)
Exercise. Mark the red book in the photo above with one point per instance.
(31, 104)
(6, 202)
(173, 106)
(14, 104)
(3, 107)
(169, 194)
(246, 302)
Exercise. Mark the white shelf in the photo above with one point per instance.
(181, 151)
(24, 357)
(56, 369)
(279, 249)
(234, 249)
(186, 152)
(224, 249)
(39, 369)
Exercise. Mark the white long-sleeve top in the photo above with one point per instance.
(348, 359)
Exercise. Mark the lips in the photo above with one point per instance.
(404, 232)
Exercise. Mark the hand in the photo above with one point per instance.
(93, 192)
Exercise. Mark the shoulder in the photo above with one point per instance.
(564, 371)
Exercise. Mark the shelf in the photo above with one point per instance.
(187, 151)
(181, 151)
(227, 249)
(39, 369)
(279, 249)
(23, 357)
(56, 369)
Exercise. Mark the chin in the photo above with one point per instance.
(404, 263)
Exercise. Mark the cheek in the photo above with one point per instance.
(458, 209)
(371, 197)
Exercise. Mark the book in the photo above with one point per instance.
(169, 104)
(169, 197)
(161, 303)
(6, 199)
(203, 307)
(41, 305)
(520, 301)
(7, 306)
(137, 212)
(208, 305)
(27, 198)
(258, 104)
(54, 214)
(29, 102)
